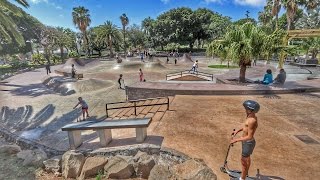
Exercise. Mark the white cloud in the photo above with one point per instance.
(165, 1)
(61, 15)
(38, 1)
(213, 1)
(255, 3)
(58, 7)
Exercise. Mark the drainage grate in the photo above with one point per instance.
(306, 139)
(272, 96)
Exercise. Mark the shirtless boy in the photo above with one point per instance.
(247, 139)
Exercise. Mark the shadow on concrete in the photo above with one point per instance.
(267, 177)
(155, 140)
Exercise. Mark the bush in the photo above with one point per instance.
(55, 58)
(38, 58)
(222, 66)
(17, 64)
(73, 54)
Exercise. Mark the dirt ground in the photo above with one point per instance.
(200, 126)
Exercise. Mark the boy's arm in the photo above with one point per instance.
(76, 105)
(251, 125)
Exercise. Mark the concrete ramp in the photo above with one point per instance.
(186, 58)
(135, 66)
(79, 64)
(68, 86)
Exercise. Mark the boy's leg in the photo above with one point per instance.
(87, 112)
(83, 114)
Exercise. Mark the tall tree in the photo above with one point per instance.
(276, 7)
(110, 35)
(124, 21)
(8, 27)
(81, 19)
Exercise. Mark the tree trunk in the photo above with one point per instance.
(228, 64)
(124, 41)
(110, 46)
(288, 23)
(242, 77)
(277, 17)
(99, 52)
(191, 46)
(61, 53)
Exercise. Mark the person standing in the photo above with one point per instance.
(247, 139)
(73, 71)
(120, 80)
(84, 107)
(175, 61)
(141, 75)
(167, 59)
(48, 68)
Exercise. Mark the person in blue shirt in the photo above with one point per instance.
(268, 78)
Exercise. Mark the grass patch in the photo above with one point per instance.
(222, 66)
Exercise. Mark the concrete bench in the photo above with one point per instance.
(103, 129)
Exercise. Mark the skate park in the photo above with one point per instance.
(198, 123)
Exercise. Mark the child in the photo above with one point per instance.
(84, 107)
(141, 75)
(73, 71)
(119, 81)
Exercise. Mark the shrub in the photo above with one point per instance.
(73, 54)
(54, 58)
(17, 64)
(38, 58)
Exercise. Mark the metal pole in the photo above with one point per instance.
(135, 109)
(168, 103)
(181, 73)
(107, 110)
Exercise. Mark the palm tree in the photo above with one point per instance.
(81, 19)
(241, 43)
(111, 34)
(275, 10)
(8, 27)
(124, 21)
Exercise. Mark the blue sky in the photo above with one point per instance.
(58, 12)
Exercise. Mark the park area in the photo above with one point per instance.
(160, 100)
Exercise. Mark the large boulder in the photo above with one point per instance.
(160, 172)
(32, 157)
(144, 164)
(92, 166)
(119, 168)
(193, 170)
(53, 165)
(72, 163)
(10, 149)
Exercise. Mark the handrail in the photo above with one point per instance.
(135, 104)
(187, 72)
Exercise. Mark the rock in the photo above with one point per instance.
(192, 169)
(144, 166)
(32, 157)
(118, 168)
(92, 166)
(10, 149)
(160, 172)
(72, 163)
(53, 165)
(139, 155)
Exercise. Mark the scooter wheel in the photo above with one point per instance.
(223, 169)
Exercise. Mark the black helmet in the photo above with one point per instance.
(252, 105)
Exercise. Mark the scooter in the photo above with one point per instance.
(234, 174)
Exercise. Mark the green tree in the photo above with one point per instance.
(110, 35)
(136, 36)
(8, 27)
(310, 19)
(244, 21)
(81, 19)
(311, 45)
(124, 21)
(242, 43)
(97, 43)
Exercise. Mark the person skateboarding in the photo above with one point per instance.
(73, 71)
(247, 139)
(84, 107)
(120, 80)
(48, 68)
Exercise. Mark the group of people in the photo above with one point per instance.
(121, 80)
(268, 78)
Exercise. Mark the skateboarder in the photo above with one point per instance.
(84, 107)
(247, 139)
(194, 67)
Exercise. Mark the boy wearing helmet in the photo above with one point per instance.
(247, 139)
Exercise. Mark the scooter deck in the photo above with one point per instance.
(235, 175)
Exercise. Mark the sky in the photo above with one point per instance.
(58, 12)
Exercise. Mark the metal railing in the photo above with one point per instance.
(181, 73)
(135, 105)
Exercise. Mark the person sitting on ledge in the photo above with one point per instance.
(267, 79)
(281, 77)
